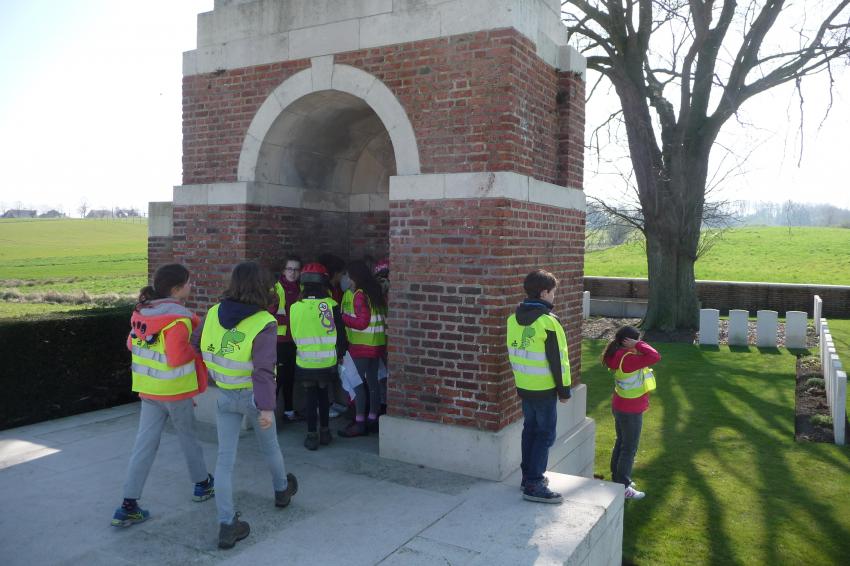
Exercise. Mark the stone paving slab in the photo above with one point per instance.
(60, 482)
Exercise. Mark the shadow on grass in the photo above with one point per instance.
(741, 349)
(728, 460)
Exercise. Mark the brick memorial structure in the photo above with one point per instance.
(447, 135)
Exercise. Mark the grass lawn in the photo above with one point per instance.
(726, 483)
(805, 255)
(70, 256)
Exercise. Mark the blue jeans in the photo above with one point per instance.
(232, 405)
(627, 426)
(538, 435)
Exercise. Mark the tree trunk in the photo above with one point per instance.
(673, 303)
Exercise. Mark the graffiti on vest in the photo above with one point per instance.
(326, 317)
(527, 337)
(230, 342)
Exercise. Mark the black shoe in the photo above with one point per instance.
(312, 441)
(354, 429)
(228, 535)
(282, 498)
(325, 436)
(372, 426)
(541, 494)
(544, 483)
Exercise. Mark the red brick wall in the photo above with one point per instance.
(478, 102)
(458, 268)
(160, 251)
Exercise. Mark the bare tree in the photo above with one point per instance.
(83, 208)
(682, 69)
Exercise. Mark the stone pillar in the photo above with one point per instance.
(796, 324)
(160, 235)
(738, 328)
(585, 305)
(709, 327)
(766, 328)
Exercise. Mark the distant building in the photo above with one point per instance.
(100, 213)
(19, 214)
(52, 214)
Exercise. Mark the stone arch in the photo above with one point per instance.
(326, 77)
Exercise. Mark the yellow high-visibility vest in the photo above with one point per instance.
(281, 307)
(151, 373)
(527, 353)
(314, 332)
(633, 385)
(373, 335)
(227, 351)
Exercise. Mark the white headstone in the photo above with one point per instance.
(818, 309)
(796, 324)
(767, 323)
(839, 413)
(738, 320)
(585, 305)
(834, 367)
(709, 327)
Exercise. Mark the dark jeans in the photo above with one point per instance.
(286, 372)
(627, 427)
(538, 435)
(316, 405)
(368, 370)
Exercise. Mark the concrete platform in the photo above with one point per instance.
(60, 482)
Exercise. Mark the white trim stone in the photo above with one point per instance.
(268, 31)
(160, 219)
(501, 184)
(269, 194)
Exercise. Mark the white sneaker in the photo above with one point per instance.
(339, 408)
(632, 493)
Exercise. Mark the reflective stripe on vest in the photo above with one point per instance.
(373, 335)
(281, 307)
(150, 370)
(227, 352)
(635, 384)
(527, 353)
(314, 332)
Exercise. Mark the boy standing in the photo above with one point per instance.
(537, 348)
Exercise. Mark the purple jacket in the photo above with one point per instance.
(263, 352)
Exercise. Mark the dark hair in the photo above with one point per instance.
(333, 263)
(250, 283)
(166, 278)
(291, 257)
(617, 343)
(314, 289)
(362, 276)
(538, 281)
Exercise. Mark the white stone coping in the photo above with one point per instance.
(323, 74)
(160, 220)
(267, 194)
(267, 31)
(502, 184)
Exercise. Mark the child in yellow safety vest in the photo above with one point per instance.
(237, 340)
(319, 343)
(166, 375)
(364, 314)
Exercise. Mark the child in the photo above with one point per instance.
(315, 321)
(287, 291)
(237, 340)
(335, 268)
(166, 374)
(629, 358)
(537, 348)
(363, 314)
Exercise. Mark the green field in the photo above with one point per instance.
(775, 254)
(726, 482)
(70, 259)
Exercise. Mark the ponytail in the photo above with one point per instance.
(617, 343)
(165, 279)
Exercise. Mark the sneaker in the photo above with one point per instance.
(291, 417)
(128, 517)
(339, 408)
(354, 429)
(204, 492)
(333, 413)
(282, 498)
(229, 535)
(632, 493)
(325, 436)
(542, 494)
(311, 442)
(544, 483)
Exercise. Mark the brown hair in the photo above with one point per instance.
(360, 273)
(166, 278)
(538, 281)
(617, 343)
(250, 283)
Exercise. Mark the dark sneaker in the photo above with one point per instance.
(544, 483)
(353, 429)
(372, 426)
(229, 535)
(311, 442)
(325, 436)
(128, 517)
(204, 492)
(282, 498)
(541, 494)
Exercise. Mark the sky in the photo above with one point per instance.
(90, 110)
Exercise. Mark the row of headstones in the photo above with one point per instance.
(767, 326)
(834, 376)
